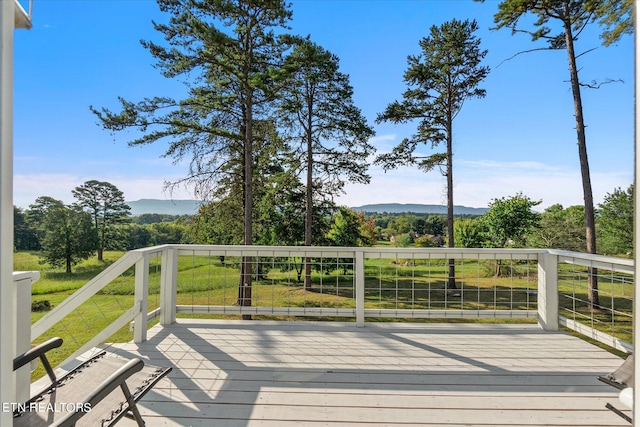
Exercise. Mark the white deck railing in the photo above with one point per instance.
(359, 283)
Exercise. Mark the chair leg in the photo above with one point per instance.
(132, 404)
(48, 369)
(617, 411)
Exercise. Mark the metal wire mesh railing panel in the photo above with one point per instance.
(207, 279)
(154, 281)
(403, 280)
(427, 283)
(604, 304)
(213, 278)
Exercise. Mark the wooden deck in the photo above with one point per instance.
(280, 374)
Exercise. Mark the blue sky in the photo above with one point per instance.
(520, 138)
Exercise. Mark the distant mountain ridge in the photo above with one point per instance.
(418, 208)
(167, 207)
(190, 207)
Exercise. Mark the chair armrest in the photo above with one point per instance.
(612, 383)
(115, 380)
(36, 352)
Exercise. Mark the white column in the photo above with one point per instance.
(636, 234)
(7, 290)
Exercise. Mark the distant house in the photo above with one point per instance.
(437, 240)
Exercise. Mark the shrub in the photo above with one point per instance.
(41, 305)
(425, 242)
(404, 240)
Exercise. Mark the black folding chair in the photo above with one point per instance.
(86, 395)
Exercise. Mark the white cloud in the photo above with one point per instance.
(384, 143)
(496, 167)
(403, 185)
(28, 187)
(477, 182)
(382, 138)
(482, 181)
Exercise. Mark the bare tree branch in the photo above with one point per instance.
(585, 52)
(596, 85)
(523, 52)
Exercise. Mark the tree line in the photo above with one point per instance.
(99, 220)
(513, 222)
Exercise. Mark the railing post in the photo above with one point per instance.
(548, 291)
(168, 286)
(359, 279)
(141, 299)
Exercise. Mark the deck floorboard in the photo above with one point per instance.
(311, 374)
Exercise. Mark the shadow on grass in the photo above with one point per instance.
(431, 295)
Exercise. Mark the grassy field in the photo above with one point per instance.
(389, 284)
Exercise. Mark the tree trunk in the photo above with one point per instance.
(101, 243)
(101, 246)
(308, 221)
(99, 234)
(498, 268)
(299, 270)
(451, 280)
(593, 296)
(246, 273)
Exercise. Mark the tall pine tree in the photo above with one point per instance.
(230, 57)
(440, 79)
(105, 202)
(329, 131)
